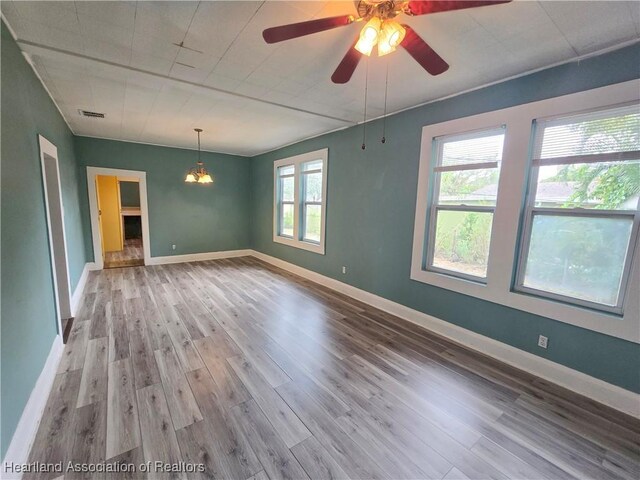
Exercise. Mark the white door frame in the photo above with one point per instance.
(56, 233)
(135, 175)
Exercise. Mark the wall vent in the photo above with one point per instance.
(87, 113)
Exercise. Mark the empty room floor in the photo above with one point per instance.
(252, 371)
(130, 256)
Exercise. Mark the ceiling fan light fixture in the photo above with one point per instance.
(391, 35)
(364, 47)
(369, 36)
(385, 49)
(374, 13)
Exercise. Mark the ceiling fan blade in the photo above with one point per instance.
(294, 30)
(347, 66)
(423, 53)
(423, 7)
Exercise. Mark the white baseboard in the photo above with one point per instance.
(591, 387)
(77, 293)
(23, 437)
(199, 257)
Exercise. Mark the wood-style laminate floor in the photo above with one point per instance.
(130, 256)
(256, 373)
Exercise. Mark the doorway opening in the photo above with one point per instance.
(118, 215)
(57, 237)
(119, 222)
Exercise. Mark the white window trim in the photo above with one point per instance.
(512, 188)
(297, 162)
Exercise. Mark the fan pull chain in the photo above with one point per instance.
(384, 116)
(364, 120)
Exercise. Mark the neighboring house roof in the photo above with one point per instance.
(548, 193)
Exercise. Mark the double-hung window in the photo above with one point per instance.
(581, 216)
(465, 189)
(311, 175)
(560, 237)
(286, 203)
(299, 201)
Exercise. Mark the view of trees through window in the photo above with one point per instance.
(579, 257)
(602, 185)
(287, 200)
(467, 176)
(300, 191)
(582, 255)
(462, 241)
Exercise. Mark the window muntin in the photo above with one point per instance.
(463, 202)
(582, 211)
(300, 201)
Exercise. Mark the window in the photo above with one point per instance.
(465, 179)
(286, 204)
(299, 201)
(312, 201)
(535, 207)
(582, 209)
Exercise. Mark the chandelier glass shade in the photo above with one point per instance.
(198, 174)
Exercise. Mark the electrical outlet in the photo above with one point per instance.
(543, 341)
(344, 269)
(173, 247)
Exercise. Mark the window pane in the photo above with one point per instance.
(286, 189)
(312, 222)
(603, 132)
(479, 149)
(313, 165)
(286, 170)
(313, 187)
(286, 220)
(469, 187)
(610, 185)
(462, 241)
(580, 257)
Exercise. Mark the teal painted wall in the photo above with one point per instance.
(129, 194)
(28, 309)
(371, 208)
(196, 218)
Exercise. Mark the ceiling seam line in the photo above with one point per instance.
(184, 37)
(235, 38)
(178, 80)
(559, 30)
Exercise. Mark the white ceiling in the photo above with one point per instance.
(119, 58)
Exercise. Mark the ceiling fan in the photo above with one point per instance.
(380, 30)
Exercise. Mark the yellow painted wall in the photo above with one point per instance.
(109, 204)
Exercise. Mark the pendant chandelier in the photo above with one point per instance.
(198, 174)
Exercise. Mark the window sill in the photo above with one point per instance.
(613, 312)
(292, 242)
(599, 321)
(456, 275)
